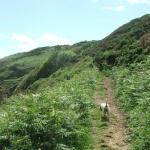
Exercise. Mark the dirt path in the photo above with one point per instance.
(114, 136)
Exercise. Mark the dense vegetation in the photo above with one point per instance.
(56, 118)
(133, 85)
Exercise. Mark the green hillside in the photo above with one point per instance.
(63, 80)
(122, 47)
(15, 68)
(126, 45)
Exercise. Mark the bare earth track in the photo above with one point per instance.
(115, 135)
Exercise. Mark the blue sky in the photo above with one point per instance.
(27, 24)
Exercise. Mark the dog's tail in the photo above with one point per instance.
(106, 102)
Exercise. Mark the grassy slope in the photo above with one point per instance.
(57, 118)
(15, 68)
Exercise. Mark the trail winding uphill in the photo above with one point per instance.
(115, 135)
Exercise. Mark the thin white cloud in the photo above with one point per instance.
(138, 1)
(118, 8)
(26, 43)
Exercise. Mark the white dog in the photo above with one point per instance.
(104, 107)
